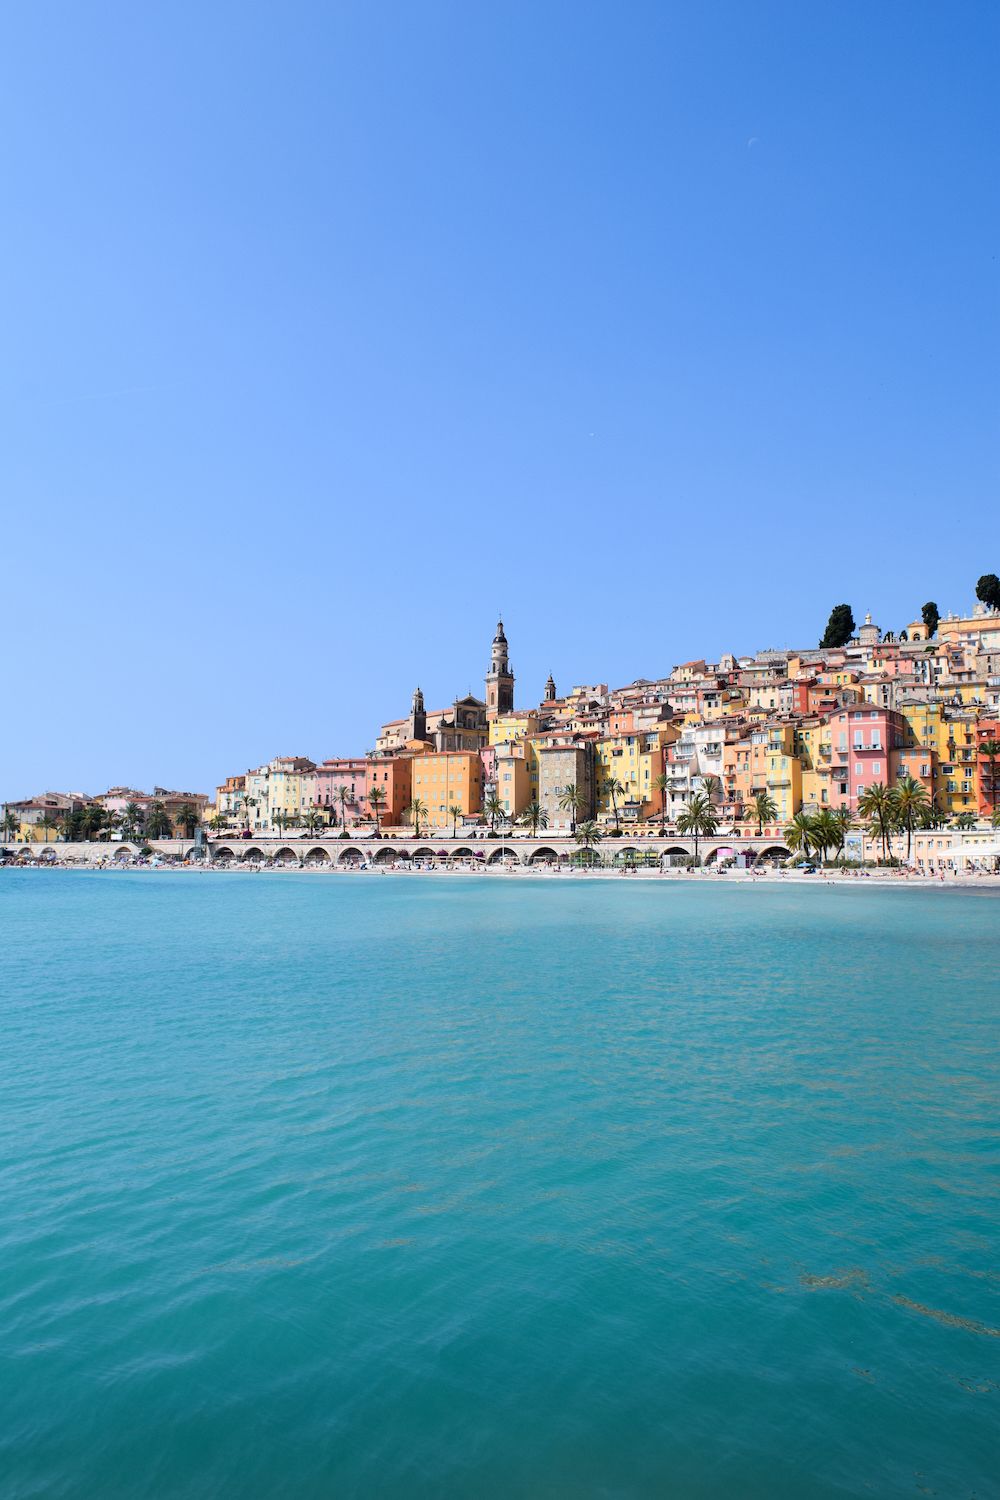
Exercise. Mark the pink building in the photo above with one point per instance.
(334, 777)
(863, 747)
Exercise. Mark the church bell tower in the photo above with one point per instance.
(418, 718)
(499, 679)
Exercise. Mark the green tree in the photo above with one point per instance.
(995, 818)
(93, 820)
(455, 812)
(376, 800)
(187, 819)
(246, 802)
(711, 786)
(131, 820)
(965, 820)
(931, 618)
(535, 816)
(661, 783)
(11, 824)
(46, 823)
(342, 794)
(698, 818)
(588, 835)
(312, 822)
(572, 799)
(614, 789)
(844, 820)
(876, 805)
(765, 809)
(988, 590)
(417, 809)
(827, 832)
(991, 749)
(909, 806)
(158, 825)
(217, 823)
(839, 628)
(493, 808)
(800, 833)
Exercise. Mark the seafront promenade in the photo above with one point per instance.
(933, 851)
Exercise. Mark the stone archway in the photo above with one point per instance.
(502, 854)
(317, 856)
(386, 855)
(252, 853)
(774, 854)
(286, 856)
(223, 855)
(351, 856)
(543, 855)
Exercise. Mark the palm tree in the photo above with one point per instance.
(417, 809)
(217, 823)
(312, 821)
(844, 821)
(711, 785)
(536, 816)
(965, 820)
(187, 819)
(45, 822)
(131, 819)
(342, 794)
(10, 824)
(158, 825)
(588, 835)
(493, 808)
(614, 789)
(455, 812)
(698, 818)
(800, 834)
(765, 810)
(909, 799)
(827, 832)
(93, 820)
(111, 821)
(376, 799)
(875, 804)
(991, 749)
(572, 800)
(246, 802)
(661, 783)
(995, 818)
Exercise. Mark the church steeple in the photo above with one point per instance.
(550, 689)
(500, 678)
(418, 718)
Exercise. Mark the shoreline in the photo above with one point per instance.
(849, 880)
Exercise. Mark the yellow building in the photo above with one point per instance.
(449, 783)
(289, 789)
(814, 749)
(949, 745)
(506, 729)
(515, 788)
(635, 761)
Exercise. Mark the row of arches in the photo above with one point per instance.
(544, 854)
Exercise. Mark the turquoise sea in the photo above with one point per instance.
(335, 1186)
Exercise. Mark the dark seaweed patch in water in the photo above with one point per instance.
(950, 1320)
(853, 1279)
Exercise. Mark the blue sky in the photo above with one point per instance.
(328, 329)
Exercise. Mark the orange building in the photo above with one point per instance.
(445, 780)
(389, 774)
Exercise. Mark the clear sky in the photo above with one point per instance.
(329, 329)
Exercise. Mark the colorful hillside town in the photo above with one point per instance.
(890, 730)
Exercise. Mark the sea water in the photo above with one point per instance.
(361, 1185)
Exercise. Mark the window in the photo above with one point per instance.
(876, 768)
